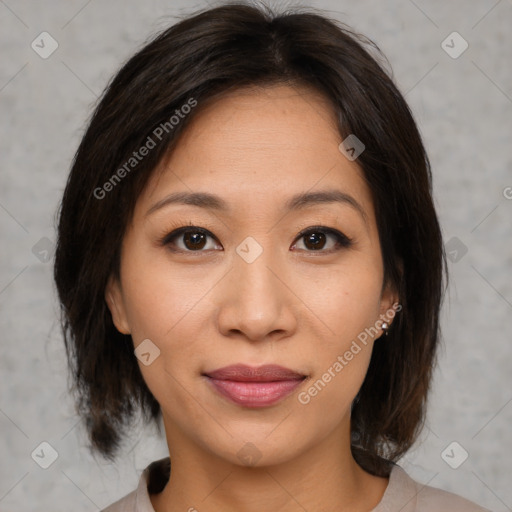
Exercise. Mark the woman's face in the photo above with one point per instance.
(243, 286)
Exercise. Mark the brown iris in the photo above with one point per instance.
(314, 240)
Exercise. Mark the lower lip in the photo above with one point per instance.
(255, 394)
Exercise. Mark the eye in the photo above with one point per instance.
(195, 239)
(192, 238)
(316, 237)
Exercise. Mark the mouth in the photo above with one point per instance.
(254, 387)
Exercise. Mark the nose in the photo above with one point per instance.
(255, 300)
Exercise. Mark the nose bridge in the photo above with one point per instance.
(252, 268)
(255, 280)
(255, 301)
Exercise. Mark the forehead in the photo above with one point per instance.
(259, 146)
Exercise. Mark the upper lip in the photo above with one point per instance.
(244, 373)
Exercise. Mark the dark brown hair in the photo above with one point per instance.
(210, 53)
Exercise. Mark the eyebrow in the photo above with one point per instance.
(297, 202)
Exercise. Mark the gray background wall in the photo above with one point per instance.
(464, 108)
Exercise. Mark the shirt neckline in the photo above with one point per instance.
(156, 474)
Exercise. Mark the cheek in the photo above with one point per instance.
(349, 305)
(347, 301)
(170, 308)
(341, 363)
(165, 307)
(158, 297)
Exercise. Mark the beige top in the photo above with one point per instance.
(403, 494)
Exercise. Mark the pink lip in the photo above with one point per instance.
(254, 387)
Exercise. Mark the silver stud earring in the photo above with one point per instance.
(385, 327)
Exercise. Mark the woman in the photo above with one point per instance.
(248, 251)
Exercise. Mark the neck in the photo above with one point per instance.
(324, 477)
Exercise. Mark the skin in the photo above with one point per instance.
(294, 305)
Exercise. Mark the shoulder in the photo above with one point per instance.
(126, 504)
(407, 495)
(431, 499)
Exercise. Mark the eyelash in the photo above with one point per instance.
(342, 241)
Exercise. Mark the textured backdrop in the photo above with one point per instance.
(453, 62)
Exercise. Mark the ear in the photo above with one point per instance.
(390, 301)
(115, 303)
